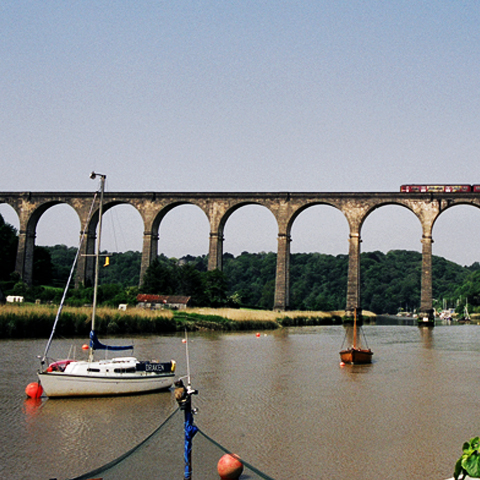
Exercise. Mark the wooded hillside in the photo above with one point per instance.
(389, 282)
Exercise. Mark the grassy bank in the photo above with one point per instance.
(36, 321)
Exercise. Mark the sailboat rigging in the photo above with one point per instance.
(115, 376)
(354, 354)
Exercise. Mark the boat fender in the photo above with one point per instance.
(174, 364)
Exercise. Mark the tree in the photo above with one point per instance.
(159, 278)
(42, 266)
(8, 249)
(216, 288)
(191, 283)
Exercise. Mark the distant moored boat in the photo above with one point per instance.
(354, 354)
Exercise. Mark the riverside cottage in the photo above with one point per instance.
(158, 302)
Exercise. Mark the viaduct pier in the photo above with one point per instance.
(285, 207)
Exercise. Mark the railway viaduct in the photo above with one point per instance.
(218, 207)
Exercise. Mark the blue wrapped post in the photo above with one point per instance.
(184, 398)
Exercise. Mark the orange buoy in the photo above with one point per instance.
(84, 346)
(230, 467)
(34, 390)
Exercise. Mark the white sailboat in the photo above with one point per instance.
(114, 376)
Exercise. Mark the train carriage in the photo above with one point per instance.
(439, 188)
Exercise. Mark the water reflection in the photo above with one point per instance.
(31, 408)
(426, 334)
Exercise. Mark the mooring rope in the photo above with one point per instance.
(119, 459)
(251, 467)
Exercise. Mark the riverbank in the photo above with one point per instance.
(36, 321)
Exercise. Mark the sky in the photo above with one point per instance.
(243, 96)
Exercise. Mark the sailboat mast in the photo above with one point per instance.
(97, 253)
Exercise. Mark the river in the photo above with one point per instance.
(281, 400)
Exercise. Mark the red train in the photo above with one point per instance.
(440, 188)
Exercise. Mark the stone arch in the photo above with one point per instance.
(379, 205)
(151, 235)
(426, 210)
(167, 208)
(405, 232)
(235, 206)
(29, 219)
(250, 213)
(185, 221)
(325, 222)
(252, 227)
(116, 215)
(331, 208)
(11, 218)
(10, 214)
(462, 221)
(381, 208)
(218, 218)
(299, 209)
(61, 219)
(85, 270)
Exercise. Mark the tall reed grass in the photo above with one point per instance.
(293, 318)
(36, 321)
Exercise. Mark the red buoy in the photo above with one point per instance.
(84, 346)
(258, 334)
(34, 390)
(230, 467)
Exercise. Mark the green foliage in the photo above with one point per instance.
(391, 281)
(215, 288)
(318, 282)
(62, 258)
(191, 282)
(160, 277)
(469, 292)
(196, 321)
(306, 320)
(167, 277)
(20, 289)
(469, 462)
(124, 269)
(42, 266)
(8, 249)
(251, 278)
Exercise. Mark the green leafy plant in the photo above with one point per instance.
(469, 462)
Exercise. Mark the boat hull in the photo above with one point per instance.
(356, 356)
(60, 384)
(117, 376)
